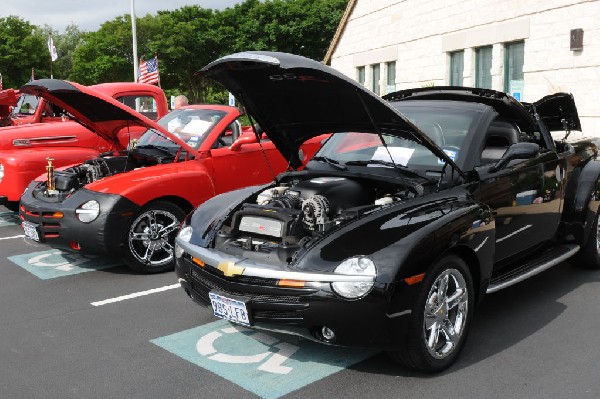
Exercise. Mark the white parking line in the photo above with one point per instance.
(8, 238)
(135, 295)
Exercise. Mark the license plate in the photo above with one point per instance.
(31, 230)
(231, 309)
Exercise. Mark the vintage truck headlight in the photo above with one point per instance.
(88, 212)
(185, 234)
(1, 171)
(358, 266)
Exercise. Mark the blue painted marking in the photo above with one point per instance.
(58, 263)
(8, 219)
(269, 365)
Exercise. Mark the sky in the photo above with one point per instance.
(88, 15)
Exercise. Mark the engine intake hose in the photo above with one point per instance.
(288, 201)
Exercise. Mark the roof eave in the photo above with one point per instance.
(338, 32)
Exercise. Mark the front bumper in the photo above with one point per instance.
(106, 234)
(3, 200)
(379, 319)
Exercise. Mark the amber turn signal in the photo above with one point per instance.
(291, 283)
(414, 279)
(198, 262)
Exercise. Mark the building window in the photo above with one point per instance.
(360, 75)
(390, 77)
(375, 76)
(514, 57)
(483, 66)
(456, 68)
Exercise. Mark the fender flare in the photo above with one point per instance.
(580, 213)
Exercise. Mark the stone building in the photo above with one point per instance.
(529, 48)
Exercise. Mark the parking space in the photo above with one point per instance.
(76, 326)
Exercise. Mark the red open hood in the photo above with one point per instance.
(9, 97)
(101, 114)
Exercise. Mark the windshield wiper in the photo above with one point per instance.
(330, 161)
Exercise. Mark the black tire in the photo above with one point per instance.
(151, 236)
(589, 255)
(430, 349)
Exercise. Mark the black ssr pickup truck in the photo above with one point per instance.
(416, 207)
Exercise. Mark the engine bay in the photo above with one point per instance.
(289, 216)
(67, 181)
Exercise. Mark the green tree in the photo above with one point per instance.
(22, 47)
(66, 44)
(105, 55)
(303, 27)
(193, 41)
(188, 38)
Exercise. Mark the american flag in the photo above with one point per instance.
(149, 71)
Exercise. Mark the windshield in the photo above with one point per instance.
(367, 149)
(446, 126)
(445, 123)
(190, 125)
(26, 105)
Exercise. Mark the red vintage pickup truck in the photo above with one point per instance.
(26, 145)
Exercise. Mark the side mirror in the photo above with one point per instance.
(243, 140)
(516, 151)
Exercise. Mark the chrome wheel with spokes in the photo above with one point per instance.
(440, 317)
(151, 238)
(445, 313)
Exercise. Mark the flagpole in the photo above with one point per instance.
(135, 51)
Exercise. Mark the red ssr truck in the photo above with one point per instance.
(40, 130)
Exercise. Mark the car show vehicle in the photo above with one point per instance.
(414, 209)
(40, 129)
(131, 202)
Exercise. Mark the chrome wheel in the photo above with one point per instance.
(151, 235)
(445, 313)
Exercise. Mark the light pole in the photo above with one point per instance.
(134, 34)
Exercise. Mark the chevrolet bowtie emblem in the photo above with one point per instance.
(229, 269)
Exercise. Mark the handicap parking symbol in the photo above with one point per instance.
(269, 365)
(57, 263)
(8, 219)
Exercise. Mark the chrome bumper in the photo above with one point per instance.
(233, 266)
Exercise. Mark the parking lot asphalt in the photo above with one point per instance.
(74, 326)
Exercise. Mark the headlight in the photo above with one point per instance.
(1, 171)
(184, 235)
(88, 212)
(357, 266)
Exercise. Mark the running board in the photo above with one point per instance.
(544, 262)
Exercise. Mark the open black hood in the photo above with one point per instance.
(294, 99)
